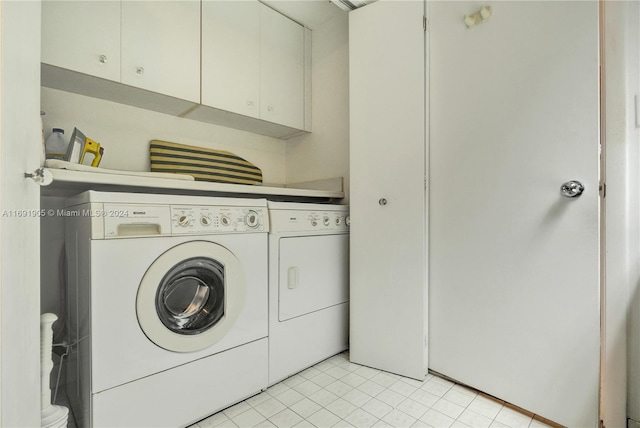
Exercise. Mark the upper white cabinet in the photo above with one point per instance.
(82, 36)
(161, 47)
(238, 64)
(281, 69)
(253, 62)
(231, 56)
(149, 45)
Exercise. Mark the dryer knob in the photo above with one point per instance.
(347, 221)
(326, 221)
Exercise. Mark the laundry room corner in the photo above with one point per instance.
(53, 284)
(324, 153)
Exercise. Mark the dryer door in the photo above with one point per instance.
(314, 274)
(190, 296)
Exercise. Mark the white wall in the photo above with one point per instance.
(325, 152)
(125, 132)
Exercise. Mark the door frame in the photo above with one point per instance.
(620, 215)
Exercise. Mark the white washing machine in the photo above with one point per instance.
(167, 306)
(308, 285)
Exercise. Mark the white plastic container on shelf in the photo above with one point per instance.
(56, 145)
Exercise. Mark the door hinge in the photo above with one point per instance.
(425, 23)
(603, 190)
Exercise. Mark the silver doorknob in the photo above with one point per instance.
(572, 189)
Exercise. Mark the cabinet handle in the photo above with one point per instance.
(103, 59)
(140, 70)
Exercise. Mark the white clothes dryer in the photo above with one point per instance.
(308, 285)
(168, 315)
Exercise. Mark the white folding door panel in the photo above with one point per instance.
(514, 265)
(20, 144)
(387, 172)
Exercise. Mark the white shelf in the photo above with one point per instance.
(67, 183)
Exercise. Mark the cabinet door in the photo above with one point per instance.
(388, 309)
(83, 36)
(282, 69)
(231, 56)
(161, 47)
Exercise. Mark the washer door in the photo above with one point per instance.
(190, 296)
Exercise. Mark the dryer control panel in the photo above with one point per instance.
(315, 221)
(187, 219)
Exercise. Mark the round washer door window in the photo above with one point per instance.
(190, 296)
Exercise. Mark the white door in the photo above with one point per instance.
(20, 142)
(514, 265)
(387, 170)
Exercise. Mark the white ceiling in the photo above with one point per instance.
(310, 13)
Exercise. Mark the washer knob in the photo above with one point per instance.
(251, 219)
(225, 220)
(326, 221)
(205, 221)
(347, 221)
(314, 223)
(183, 220)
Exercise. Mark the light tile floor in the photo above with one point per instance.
(338, 393)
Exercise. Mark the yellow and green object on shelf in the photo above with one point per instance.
(92, 147)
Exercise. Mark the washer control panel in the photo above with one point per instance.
(186, 219)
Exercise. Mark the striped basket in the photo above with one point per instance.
(203, 164)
